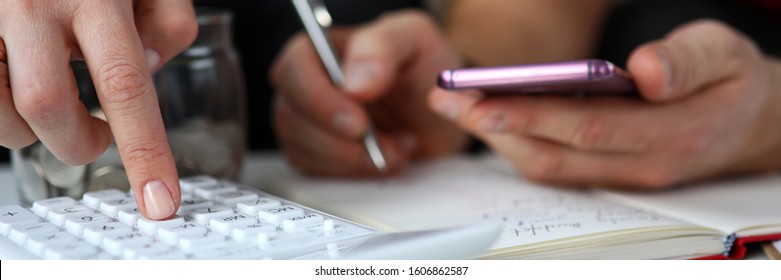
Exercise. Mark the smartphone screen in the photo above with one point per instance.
(581, 77)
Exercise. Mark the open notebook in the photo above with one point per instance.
(714, 220)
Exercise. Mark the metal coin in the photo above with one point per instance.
(58, 173)
(109, 177)
(29, 178)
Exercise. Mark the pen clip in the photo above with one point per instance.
(316, 19)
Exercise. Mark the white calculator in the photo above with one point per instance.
(217, 219)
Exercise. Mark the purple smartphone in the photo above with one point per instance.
(582, 77)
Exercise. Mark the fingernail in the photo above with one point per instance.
(447, 108)
(346, 123)
(359, 76)
(152, 58)
(158, 200)
(667, 67)
(496, 122)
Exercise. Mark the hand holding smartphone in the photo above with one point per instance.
(579, 78)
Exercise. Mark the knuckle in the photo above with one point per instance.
(590, 134)
(417, 18)
(424, 27)
(122, 81)
(182, 25)
(21, 7)
(281, 66)
(734, 45)
(141, 153)
(39, 101)
(526, 121)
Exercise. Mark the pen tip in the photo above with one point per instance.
(375, 153)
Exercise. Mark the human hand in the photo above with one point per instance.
(122, 43)
(389, 65)
(712, 108)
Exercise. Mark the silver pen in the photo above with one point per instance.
(316, 20)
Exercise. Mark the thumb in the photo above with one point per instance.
(166, 27)
(691, 58)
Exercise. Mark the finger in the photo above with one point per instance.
(608, 125)
(45, 94)
(166, 27)
(300, 76)
(316, 150)
(116, 61)
(690, 58)
(377, 53)
(454, 106)
(543, 161)
(16, 134)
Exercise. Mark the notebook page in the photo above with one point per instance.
(729, 206)
(459, 190)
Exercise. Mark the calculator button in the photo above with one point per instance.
(58, 216)
(172, 234)
(134, 253)
(252, 207)
(203, 215)
(42, 207)
(209, 192)
(150, 226)
(277, 214)
(129, 216)
(76, 224)
(37, 242)
(203, 242)
(190, 203)
(115, 244)
(226, 224)
(75, 250)
(95, 234)
(111, 207)
(93, 199)
(231, 198)
(20, 233)
(13, 215)
(293, 224)
(249, 233)
(329, 227)
(189, 184)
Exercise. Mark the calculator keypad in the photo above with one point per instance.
(216, 220)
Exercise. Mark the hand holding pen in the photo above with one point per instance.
(316, 20)
(389, 66)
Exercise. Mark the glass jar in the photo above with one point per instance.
(201, 94)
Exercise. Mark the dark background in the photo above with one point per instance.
(262, 26)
